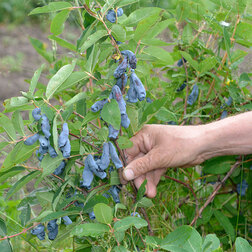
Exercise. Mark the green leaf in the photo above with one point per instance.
(63, 43)
(165, 115)
(57, 24)
(103, 213)
(51, 7)
(187, 34)
(160, 54)
(55, 134)
(93, 59)
(49, 164)
(120, 249)
(3, 144)
(124, 142)
(25, 215)
(207, 64)
(57, 195)
(89, 205)
(18, 101)
(45, 198)
(118, 32)
(244, 80)
(184, 238)
(111, 114)
(57, 80)
(211, 243)
(145, 25)
(21, 183)
(192, 62)
(114, 178)
(141, 191)
(73, 79)
(126, 2)
(76, 98)
(5, 245)
(35, 78)
(41, 49)
(6, 123)
(92, 39)
(11, 173)
(90, 229)
(18, 123)
(127, 222)
(225, 223)
(218, 165)
(19, 154)
(242, 245)
(90, 117)
(145, 202)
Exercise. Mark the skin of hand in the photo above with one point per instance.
(158, 147)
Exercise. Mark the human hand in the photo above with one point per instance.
(157, 147)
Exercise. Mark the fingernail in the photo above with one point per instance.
(128, 174)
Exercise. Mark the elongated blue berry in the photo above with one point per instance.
(41, 152)
(117, 95)
(180, 62)
(87, 176)
(114, 156)
(241, 188)
(52, 227)
(60, 169)
(63, 137)
(45, 126)
(192, 98)
(114, 193)
(67, 220)
(181, 88)
(125, 121)
(119, 12)
(39, 231)
(131, 58)
(224, 114)
(135, 214)
(111, 16)
(97, 106)
(32, 139)
(36, 113)
(52, 152)
(66, 149)
(121, 69)
(105, 158)
(94, 167)
(229, 101)
(132, 94)
(44, 142)
(149, 100)
(91, 215)
(113, 133)
(122, 81)
(139, 87)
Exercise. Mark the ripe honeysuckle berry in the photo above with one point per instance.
(135, 214)
(36, 113)
(148, 100)
(132, 94)
(52, 152)
(44, 142)
(121, 69)
(63, 137)
(229, 101)
(45, 126)
(119, 12)
(111, 16)
(41, 152)
(114, 156)
(66, 149)
(94, 167)
(181, 88)
(32, 139)
(193, 95)
(91, 215)
(139, 87)
(125, 121)
(87, 176)
(224, 114)
(241, 188)
(113, 133)
(180, 62)
(171, 123)
(114, 193)
(97, 106)
(131, 58)
(52, 227)
(117, 95)
(60, 169)
(105, 158)
(122, 81)
(39, 231)
(67, 220)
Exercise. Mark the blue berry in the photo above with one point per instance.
(117, 95)
(181, 88)
(94, 167)
(149, 100)
(41, 152)
(111, 16)
(36, 113)
(193, 95)
(132, 94)
(135, 214)
(114, 157)
(66, 149)
(45, 126)
(44, 142)
(224, 114)
(67, 220)
(52, 227)
(180, 62)
(52, 152)
(60, 169)
(121, 69)
(139, 87)
(32, 139)
(119, 12)
(241, 188)
(87, 176)
(91, 215)
(39, 231)
(131, 58)
(105, 159)
(229, 101)
(114, 193)
(63, 137)
(97, 106)
(113, 133)
(171, 123)
(125, 121)
(122, 81)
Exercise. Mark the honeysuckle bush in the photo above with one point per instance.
(191, 78)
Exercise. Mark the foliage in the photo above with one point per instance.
(203, 35)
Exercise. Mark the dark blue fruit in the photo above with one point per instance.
(181, 88)
(114, 193)
(52, 152)
(114, 157)
(139, 87)
(60, 169)
(94, 167)
(91, 215)
(241, 188)
(105, 158)
(52, 227)
(113, 133)
(229, 101)
(121, 69)
(224, 114)
(117, 95)
(131, 58)
(32, 139)
(119, 12)
(149, 100)
(36, 113)
(97, 106)
(125, 121)
(132, 94)
(63, 137)
(122, 81)
(111, 16)
(193, 95)
(44, 142)
(180, 62)
(45, 126)
(66, 149)
(39, 231)
(67, 220)
(41, 152)
(87, 176)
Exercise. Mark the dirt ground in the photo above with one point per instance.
(18, 59)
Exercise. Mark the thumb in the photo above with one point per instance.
(142, 165)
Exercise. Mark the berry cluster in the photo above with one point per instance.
(228, 103)
(111, 15)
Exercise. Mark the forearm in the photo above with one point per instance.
(230, 136)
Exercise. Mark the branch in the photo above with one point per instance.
(214, 193)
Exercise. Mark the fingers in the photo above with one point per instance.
(139, 166)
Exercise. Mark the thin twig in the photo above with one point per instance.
(214, 193)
